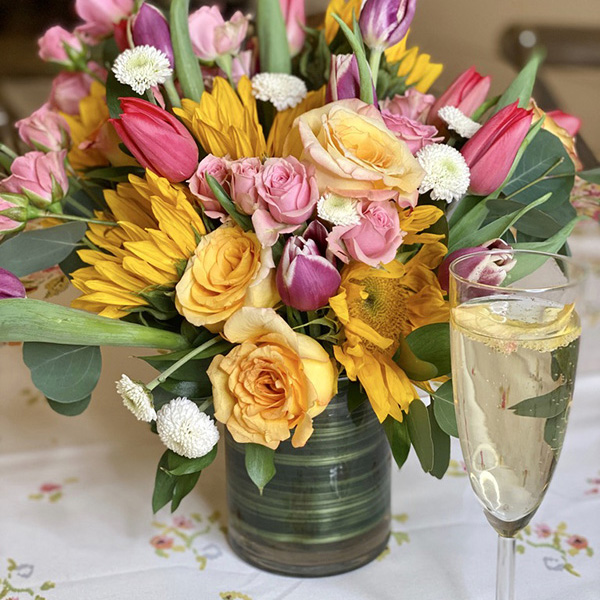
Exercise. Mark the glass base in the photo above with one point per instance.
(324, 559)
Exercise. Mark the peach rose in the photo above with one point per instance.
(229, 270)
(274, 381)
(354, 153)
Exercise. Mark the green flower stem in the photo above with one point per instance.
(172, 93)
(74, 203)
(538, 180)
(374, 61)
(76, 218)
(6, 150)
(151, 97)
(168, 372)
(225, 63)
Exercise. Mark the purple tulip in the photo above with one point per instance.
(344, 79)
(486, 268)
(306, 278)
(149, 27)
(10, 285)
(384, 23)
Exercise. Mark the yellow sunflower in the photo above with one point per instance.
(343, 9)
(377, 308)
(415, 220)
(157, 232)
(225, 122)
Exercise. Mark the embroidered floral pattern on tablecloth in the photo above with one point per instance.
(594, 489)
(560, 545)
(51, 492)
(185, 534)
(400, 537)
(13, 585)
(233, 596)
(457, 468)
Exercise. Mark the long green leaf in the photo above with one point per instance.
(180, 465)
(432, 344)
(260, 464)
(547, 405)
(28, 320)
(183, 486)
(115, 90)
(398, 438)
(462, 208)
(466, 224)
(522, 86)
(443, 408)
(419, 429)
(441, 446)
(40, 249)
(592, 175)
(273, 47)
(186, 63)
(164, 484)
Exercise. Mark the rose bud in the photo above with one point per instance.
(10, 285)
(157, 139)
(101, 16)
(491, 152)
(486, 268)
(344, 79)
(59, 46)
(306, 279)
(467, 92)
(13, 211)
(244, 173)
(384, 23)
(150, 28)
(219, 169)
(45, 130)
(295, 18)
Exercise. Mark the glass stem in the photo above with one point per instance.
(505, 569)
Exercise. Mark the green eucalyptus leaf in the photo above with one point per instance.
(71, 409)
(441, 446)
(115, 174)
(555, 430)
(419, 429)
(547, 405)
(522, 86)
(164, 484)
(273, 47)
(398, 438)
(431, 343)
(183, 486)
(63, 373)
(443, 408)
(591, 175)
(180, 465)
(260, 464)
(414, 367)
(189, 389)
(32, 251)
(115, 90)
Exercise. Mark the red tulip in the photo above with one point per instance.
(491, 152)
(157, 139)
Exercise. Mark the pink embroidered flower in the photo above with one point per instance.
(413, 105)
(47, 488)
(243, 183)
(578, 542)
(162, 542)
(219, 169)
(182, 522)
(542, 530)
(414, 134)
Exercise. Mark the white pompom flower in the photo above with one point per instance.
(447, 175)
(185, 429)
(281, 90)
(459, 122)
(142, 68)
(338, 210)
(137, 398)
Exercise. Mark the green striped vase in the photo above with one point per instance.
(327, 510)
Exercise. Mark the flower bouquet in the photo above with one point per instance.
(273, 208)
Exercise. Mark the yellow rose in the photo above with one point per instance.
(353, 151)
(274, 381)
(229, 270)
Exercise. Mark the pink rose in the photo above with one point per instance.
(218, 168)
(376, 238)
(52, 45)
(41, 177)
(416, 135)
(8, 225)
(288, 194)
(212, 36)
(243, 183)
(44, 129)
(100, 16)
(68, 89)
(413, 104)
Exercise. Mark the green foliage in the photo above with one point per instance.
(72, 409)
(419, 429)
(443, 408)
(63, 373)
(114, 174)
(260, 464)
(522, 86)
(591, 175)
(180, 465)
(547, 405)
(40, 249)
(194, 390)
(398, 438)
(431, 343)
(273, 45)
(314, 62)
(388, 82)
(414, 367)
(555, 430)
(226, 202)
(164, 484)
(114, 91)
(441, 446)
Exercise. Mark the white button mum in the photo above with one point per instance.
(185, 429)
(458, 121)
(137, 398)
(142, 68)
(338, 209)
(447, 175)
(282, 90)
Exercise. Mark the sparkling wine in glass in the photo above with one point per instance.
(514, 354)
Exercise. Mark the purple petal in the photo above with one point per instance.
(10, 285)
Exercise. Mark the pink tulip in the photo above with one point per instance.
(288, 194)
(374, 240)
(212, 36)
(52, 45)
(44, 130)
(486, 268)
(10, 285)
(68, 89)
(384, 23)
(219, 169)
(412, 104)
(100, 16)
(467, 92)
(491, 152)
(306, 278)
(414, 134)
(295, 19)
(149, 27)
(11, 211)
(41, 177)
(244, 173)
(157, 139)
(570, 123)
(344, 79)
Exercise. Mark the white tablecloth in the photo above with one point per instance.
(76, 522)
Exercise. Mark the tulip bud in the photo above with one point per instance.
(467, 92)
(157, 139)
(306, 279)
(10, 285)
(486, 268)
(344, 79)
(149, 27)
(295, 18)
(491, 152)
(384, 23)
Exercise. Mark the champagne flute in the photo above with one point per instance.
(514, 353)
